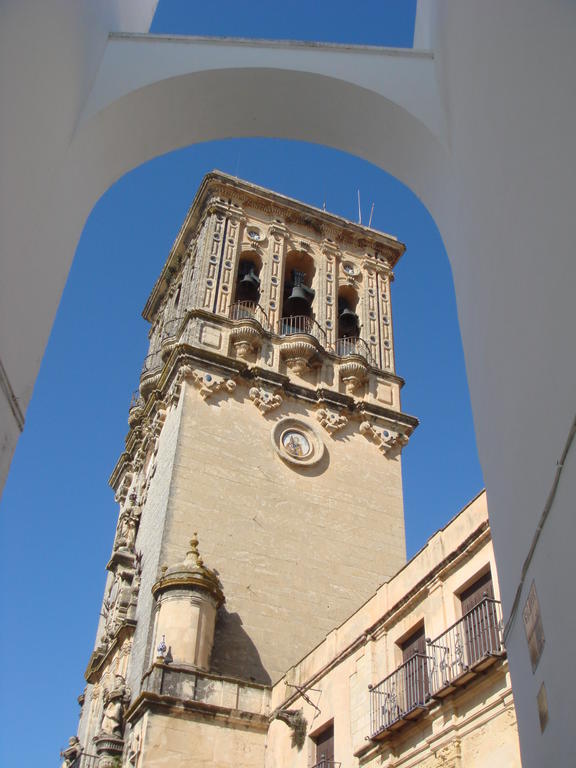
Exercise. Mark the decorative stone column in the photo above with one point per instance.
(188, 595)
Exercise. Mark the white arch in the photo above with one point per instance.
(483, 133)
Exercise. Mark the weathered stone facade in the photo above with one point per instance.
(268, 420)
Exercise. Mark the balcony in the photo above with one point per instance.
(456, 656)
(467, 647)
(302, 324)
(353, 346)
(249, 310)
(402, 696)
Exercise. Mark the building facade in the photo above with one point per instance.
(267, 432)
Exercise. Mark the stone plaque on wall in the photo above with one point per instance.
(533, 626)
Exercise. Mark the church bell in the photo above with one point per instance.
(348, 323)
(248, 286)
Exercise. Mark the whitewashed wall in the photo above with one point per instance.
(483, 132)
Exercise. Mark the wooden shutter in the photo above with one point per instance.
(415, 684)
(416, 643)
(475, 593)
(325, 747)
(480, 620)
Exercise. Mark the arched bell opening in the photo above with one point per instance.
(348, 321)
(247, 294)
(248, 278)
(297, 312)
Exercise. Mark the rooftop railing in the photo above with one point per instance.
(462, 651)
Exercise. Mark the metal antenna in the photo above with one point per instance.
(371, 214)
(359, 209)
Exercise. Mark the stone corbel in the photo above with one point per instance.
(264, 400)
(389, 443)
(353, 374)
(332, 421)
(297, 353)
(245, 339)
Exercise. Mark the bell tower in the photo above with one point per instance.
(268, 420)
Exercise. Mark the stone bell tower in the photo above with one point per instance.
(268, 420)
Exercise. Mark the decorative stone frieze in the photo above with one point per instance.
(389, 443)
(208, 384)
(332, 421)
(264, 400)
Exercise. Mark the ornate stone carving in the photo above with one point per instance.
(71, 753)
(297, 354)
(120, 601)
(389, 443)
(449, 755)
(353, 373)
(264, 400)
(115, 701)
(332, 421)
(245, 339)
(208, 384)
(128, 526)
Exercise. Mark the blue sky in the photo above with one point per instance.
(58, 513)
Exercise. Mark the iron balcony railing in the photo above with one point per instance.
(302, 324)
(470, 642)
(251, 310)
(402, 694)
(327, 764)
(353, 346)
(463, 650)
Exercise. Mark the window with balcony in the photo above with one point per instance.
(324, 748)
(297, 312)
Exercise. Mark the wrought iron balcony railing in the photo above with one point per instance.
(302, 324)
(327, 764)
(251, 310)
(353, 346)
(470, 644)
(402, 695)
(462, 651)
